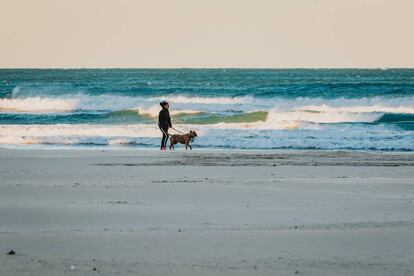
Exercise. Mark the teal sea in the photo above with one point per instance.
(327, 109)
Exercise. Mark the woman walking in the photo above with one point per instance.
(164, 123)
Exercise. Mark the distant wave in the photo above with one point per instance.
(205, 100)
(106, 102)
(38, 104)
(114, 103)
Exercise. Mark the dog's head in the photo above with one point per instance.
(192, 134)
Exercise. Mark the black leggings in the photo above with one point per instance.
(164, 137)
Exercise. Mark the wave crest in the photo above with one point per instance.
(281, 112)
(109, 103)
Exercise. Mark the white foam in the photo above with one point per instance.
(220, 135)
(37, 104)
(282, 113)
(79, 130)
(183, 104)
(179, 104)
(334, 116)
(68, 134)
(333, 113)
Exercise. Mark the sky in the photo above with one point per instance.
(206, 33)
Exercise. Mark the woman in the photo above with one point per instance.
(164, 122)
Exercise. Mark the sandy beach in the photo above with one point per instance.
(142, 212)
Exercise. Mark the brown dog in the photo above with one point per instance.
(183, 139)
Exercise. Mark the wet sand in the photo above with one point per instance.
(137, 212)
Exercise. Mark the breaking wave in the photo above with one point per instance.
(199, 110)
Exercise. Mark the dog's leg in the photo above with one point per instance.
(191, 148)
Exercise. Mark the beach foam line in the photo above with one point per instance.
(32, 134)
(107, 102)
(80, 101)
(141, 130)
(96, 134)
(233, 135)
(275, 118)
(38, 104)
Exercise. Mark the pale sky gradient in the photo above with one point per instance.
(207, 33)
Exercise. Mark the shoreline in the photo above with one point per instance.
(200, 149)
(229, 157)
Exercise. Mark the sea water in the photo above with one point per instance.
(352, 109)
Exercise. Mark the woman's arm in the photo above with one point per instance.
(169, 120)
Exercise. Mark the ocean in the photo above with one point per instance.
(324, 109)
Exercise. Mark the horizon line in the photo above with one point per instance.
(206, 68)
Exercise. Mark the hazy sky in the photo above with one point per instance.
(207, 33)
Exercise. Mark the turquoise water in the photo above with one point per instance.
(353, 109)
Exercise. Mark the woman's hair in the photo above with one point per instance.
(163, 103)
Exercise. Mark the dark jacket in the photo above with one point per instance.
(164, 119)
